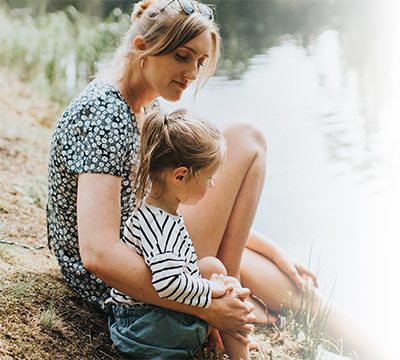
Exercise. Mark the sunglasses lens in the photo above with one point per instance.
(205, 11)
(186, 6)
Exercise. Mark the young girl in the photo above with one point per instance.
(180, 153)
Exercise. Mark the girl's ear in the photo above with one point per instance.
(180, 175)
(140, 44)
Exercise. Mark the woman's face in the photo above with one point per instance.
(169, 75)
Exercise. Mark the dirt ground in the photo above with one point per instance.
(40, 316)
(25, 131)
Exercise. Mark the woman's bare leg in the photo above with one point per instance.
(271, 285)
(220, 223)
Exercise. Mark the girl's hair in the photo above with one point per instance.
(171, 141)
(163, 31)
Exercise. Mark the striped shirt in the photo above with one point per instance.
(164, 243)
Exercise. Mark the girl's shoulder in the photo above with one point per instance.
(160, 213)
(150, 215)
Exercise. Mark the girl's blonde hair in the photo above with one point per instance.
(171, 141)
(163, 31)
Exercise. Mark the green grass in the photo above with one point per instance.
(57, 52)
(36, 191)
(49, 318)
(308, 323)
(17, 287)
(45, 318)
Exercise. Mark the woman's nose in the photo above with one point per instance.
(192, 72)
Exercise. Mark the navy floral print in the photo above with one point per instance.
(97, 133)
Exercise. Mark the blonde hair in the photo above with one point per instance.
(171, 141)
(163, 33)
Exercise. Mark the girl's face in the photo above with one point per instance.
(197, 187)
(169, 75)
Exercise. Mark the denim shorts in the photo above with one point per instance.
(152, 332)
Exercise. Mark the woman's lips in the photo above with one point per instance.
(182, 85)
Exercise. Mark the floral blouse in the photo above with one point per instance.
(97, 133)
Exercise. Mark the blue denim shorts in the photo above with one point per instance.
(152, 332)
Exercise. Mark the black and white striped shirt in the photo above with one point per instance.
(164, 243)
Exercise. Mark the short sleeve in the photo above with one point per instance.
(97, 136)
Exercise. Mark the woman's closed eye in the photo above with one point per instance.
(185, 58)
(181, 57)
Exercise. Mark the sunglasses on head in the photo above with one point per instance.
(189, 7)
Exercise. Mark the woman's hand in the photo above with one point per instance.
(231, 314)
(296, 271)
(293, 269)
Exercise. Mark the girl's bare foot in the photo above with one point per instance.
(215, 341)
(254, 343)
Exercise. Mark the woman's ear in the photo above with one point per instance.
(180, 175)
(140, 44)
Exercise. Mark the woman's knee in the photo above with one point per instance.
(246, 133)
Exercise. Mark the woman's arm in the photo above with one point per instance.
(266, 247)
(102, 253)
(105, 256)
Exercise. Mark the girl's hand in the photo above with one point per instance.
(220, 285)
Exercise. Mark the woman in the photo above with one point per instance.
(93, 154)
(95, 147)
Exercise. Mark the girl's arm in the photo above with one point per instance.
(105, 256)
(266, 247)
(173, 284)
(168, 251)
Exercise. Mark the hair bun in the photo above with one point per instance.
(139, 8)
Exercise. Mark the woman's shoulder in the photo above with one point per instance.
(98, 103)
(101, 94)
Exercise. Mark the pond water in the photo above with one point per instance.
(330, 111)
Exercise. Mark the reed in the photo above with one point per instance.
(307, 322)
(57, 53)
